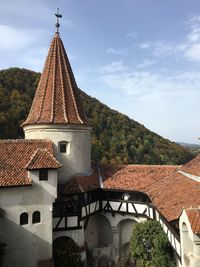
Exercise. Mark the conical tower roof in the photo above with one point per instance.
(57, 99)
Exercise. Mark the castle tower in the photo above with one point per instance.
(57, 114)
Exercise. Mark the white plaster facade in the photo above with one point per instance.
(190, 243)
(108, 236)
(77, 159)
(30, 243)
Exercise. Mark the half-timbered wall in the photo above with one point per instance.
(115, 210)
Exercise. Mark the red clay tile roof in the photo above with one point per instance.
(57, 98)
(42, 159)
(82, 183)
(168, 190)
(193, 166)
(173, 193)
(14, 157)
(194, 219)
(134, 177)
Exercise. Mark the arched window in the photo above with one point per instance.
(24, 218)
(36, 217)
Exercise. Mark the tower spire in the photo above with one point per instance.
(57, 99)
(58, 16)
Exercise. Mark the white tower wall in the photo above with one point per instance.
(77, 158)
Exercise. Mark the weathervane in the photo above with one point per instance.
(58, 15)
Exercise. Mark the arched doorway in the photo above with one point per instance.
(99, 242)
(66, 252)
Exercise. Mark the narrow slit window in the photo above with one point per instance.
(24, 218)
(43, 174)
(36, 217)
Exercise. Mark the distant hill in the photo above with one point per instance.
(115, 137)
(193, 148)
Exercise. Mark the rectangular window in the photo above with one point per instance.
(43, 174)
(63, 148)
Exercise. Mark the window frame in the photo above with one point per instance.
(36, 217)
(65, 145)
(43, 175)
(63, 148)
(23, 218)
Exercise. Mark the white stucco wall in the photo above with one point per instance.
(29, 243)
(190, 243)
(77, 160)
(98, 232)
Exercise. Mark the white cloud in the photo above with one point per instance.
(122, 52)
(162, 48)
(188, 49)
(113, 67)
(145, 63)
(132, 35)
(28, 9)
(194, 28)
(14, 39)
(34, 58)
(193, 52)
(147, 85)
(145, 45)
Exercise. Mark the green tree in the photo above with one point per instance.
(149, 246)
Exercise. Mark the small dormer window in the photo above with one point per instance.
(43, 174)
(64, 147)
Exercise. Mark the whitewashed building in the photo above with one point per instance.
(50, 191)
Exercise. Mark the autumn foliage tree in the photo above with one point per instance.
(115, 137)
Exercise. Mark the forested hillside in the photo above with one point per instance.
(115, 137)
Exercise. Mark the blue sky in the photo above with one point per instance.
(139, 57)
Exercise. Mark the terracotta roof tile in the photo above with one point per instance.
(82, 183)
(194, 219)
(134, 177)
(173, 193)
(57, 98)
(14, 157)
(168, 190)
(42, 159)
(193, 166)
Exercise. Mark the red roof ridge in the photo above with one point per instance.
(139, 165)
(25, 140)
(49, 160)
(57, 98)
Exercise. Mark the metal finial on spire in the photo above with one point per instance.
(58, 15)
